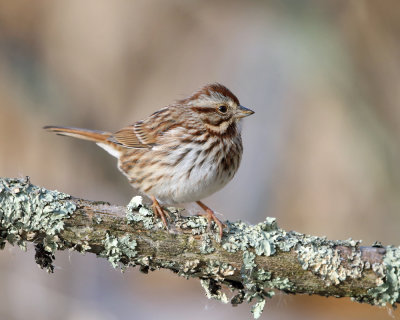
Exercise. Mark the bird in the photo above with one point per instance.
(181, 153)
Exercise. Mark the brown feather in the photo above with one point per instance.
(128, 138)
(85, 134)
(206, 90)
(147, 133)
(144, 133)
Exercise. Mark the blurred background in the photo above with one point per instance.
(321, 152)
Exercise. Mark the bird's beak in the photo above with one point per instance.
(243, 112)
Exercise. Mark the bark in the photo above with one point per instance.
(252, 261)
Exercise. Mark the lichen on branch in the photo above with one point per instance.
(253, 261)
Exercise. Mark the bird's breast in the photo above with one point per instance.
(186, 170)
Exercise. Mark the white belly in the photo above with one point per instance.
(187, 182)
(201, 183)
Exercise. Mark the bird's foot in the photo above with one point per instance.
(210, 215)
(160, 212)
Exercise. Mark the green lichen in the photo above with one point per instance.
(206, 244)
(261, 237)
(27, 211)
(190, 267)
(262, 275)
(253, 286)
(259, 285)
(281, 284)
(248, 260)
(286, 241)
(168, 264)
(265, 278)
(219, 270)
(137, 212)
(32, 210)
(119, 250)
(388, 281)
(197, 224)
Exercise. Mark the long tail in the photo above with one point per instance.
(86, 134)
(100, 137)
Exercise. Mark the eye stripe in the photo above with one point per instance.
(203, 109)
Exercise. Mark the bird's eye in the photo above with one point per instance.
(222, 109)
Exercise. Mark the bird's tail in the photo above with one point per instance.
(86, 134)
(100, 137)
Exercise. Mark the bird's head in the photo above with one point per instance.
(217, 107)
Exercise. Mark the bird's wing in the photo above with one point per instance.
(146, 133)
(128, 138)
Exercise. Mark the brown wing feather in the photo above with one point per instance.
(147, 133)
(135, 136)
(128, 138)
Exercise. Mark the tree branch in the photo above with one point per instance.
(250, 260)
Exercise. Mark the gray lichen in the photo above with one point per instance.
(119, 250)
(253, 288)
(206, 244)
(191, 266)
(32, 210)
(197, 225)
(263, 239)
(219, 270)
(248, 260)
(324, 259)
(29, 213)
(258, 308)
(213, 290)
(259, 284)
(388, 281)
(137, 212)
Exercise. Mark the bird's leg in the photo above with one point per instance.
(211, 217)
(159, 211)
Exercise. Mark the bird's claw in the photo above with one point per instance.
(160, 212)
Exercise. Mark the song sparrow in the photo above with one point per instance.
(182, 153)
